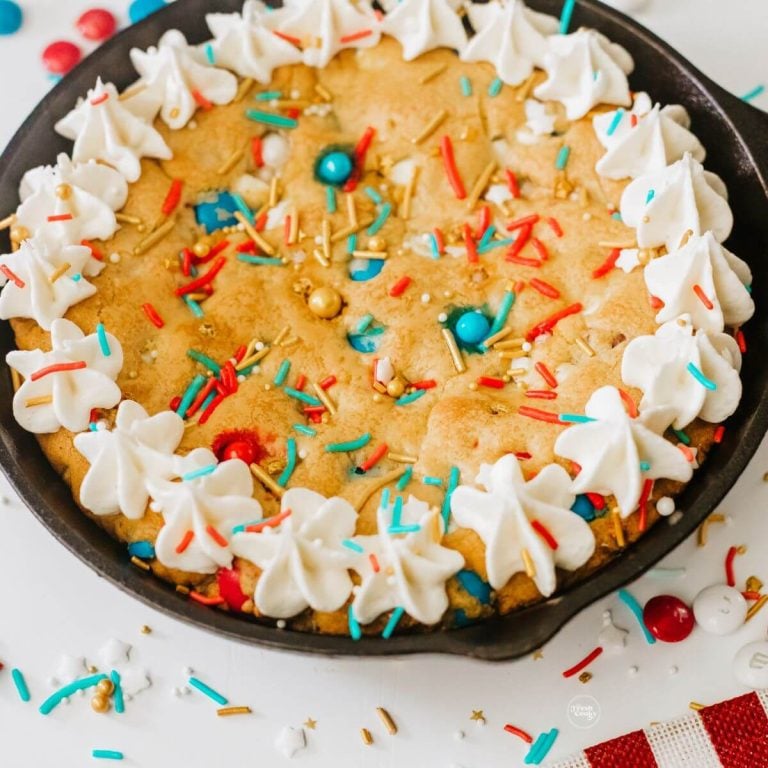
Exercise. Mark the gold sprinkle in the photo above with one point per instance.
(351, 209)
(59, 272)
(145, 629)
(402, 458)
(512, 372)
(131, 92)
(155, 237)
(695, 706)
(254, 235)
(530, 568)
(182, 590)
(310, 724)
(511, 354)
(289, 342)
(453, 348)
(405, 206)
(386, 718)
(31, 402)
(273, 193)
(377, 485)
(502, 334)
(284, 331)
(8, 221)
(538, 654)
(326, 235)
(198, 296)
(618, 529)
(583, 345)
(433, 74)
(365, 735)
(430, 127)
(266, 480)
(229, 711)
(378, 255)
(525, 88)
(753, 584)
(127, 218)
(686, 237)
(756, 606)
(243, 89)
(324, 398)
(477, 715)
(291, 103)
(320, 258)
(509, 344)
(340, 234)
(250, 360)
(15, 379)
(614, 244)
(703, 532)
(585, 677)
(323, 92)
(140, 563)
(293, 231)
(480, 185)
(231, 162)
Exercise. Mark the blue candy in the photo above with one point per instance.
(472, 327)
(583, 508)
(361, 270)
(367, 342)
(216, 211)
(334, 168)
(142, 549)
(11, 17)
(140, 9)
(472, 583)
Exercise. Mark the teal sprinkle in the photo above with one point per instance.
(754, 93)
(384, 499)
(265, 261)
(494, 89)
(466, 85)
(436, 481)
(208, 691)
(433, 246)
(541, 747)
(202, 472)
(644, 466)
(562, 157)
(651, 194)
(194, 307)
(103, 341)
(394, 619)
(701, 378)
(76, 278)
(395, 529)
(247, 371)
(631, 603)
(107, 754)
(616, 216)
(575, 418)
(453, 484)
(63, 693)
(330, 200)
(353, 545)
(240, 528)
(397, 512)
(615, 122)
(405, 478)
(365, 321)
(208, 400)
(282, 373)
(507, 303)
(374, 195)
(270, 118)
(290, 445)
(493, 244)
(304, 430)
(412, 398)
(209, 54)
(243, 207)
(114, 676)
(199, 357)
(748, 289)
(381, 219)
(682, 437)
(303, 396)
(268, 95)
(21, 684)
(352, 243)
(565, 16)
(349, 445)
(354, 626)
(192, 391)
(93, 426)
(487, 235)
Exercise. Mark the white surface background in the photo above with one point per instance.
(51, 604)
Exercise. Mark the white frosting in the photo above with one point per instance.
(663, 206)
(89, 192)
(246, 45)
(104, 129)
(322, 25)
(609, 450)
(303, 562)
(124, 460)
(221, 500)
(37, 297)
(172, 82)
(423, 25)
(538, 119)
(73, 393)
(722, 277)
(412, 567)
(511, 37)
(658, 138)
(583, 70)
(658, 365)
(502, 516)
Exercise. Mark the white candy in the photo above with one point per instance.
(720, 609)
(275, 150)
(750, 665)
(665, 506)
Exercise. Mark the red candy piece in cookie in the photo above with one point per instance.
(60, 57)
(229, 588)
(240, 449)
(243, 444)
(97, 24)
(668, 618)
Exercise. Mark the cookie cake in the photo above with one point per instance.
(365, 318)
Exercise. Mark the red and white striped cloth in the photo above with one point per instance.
(731, 734)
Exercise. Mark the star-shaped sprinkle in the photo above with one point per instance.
(310, 724)
(478, 716)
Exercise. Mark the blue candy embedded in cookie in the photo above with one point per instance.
(367, 342)
(474, 585)
(361, 270)
(583, 507)
(334, 167)
(216, 211)
(472, 327)
(144, 550)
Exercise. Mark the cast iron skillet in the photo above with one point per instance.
(736, 137)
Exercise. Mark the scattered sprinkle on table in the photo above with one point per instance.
(208, 691)
(106, 754)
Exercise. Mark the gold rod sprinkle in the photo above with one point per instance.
(182, 590)
(453, 348)
(386, 718)
(618, 530)
(480, 185)
(254, 235)
(267, 481)
(377, 255)
(15, 379)
(31, 402)
(324, 398)
(405, 208)
(433, 74)
(377, 485)
(8, 221)
(140, 563)
(228, 711)
(252, 359)
(326, 235)
(153, 239)
(58, 272)
(402, 458)
(525, 88)
(584, 346)
(512, 372)
(293, 231)
(530, 568)
(131, 92)
(273, 193)
(320, 258)
(365, 735)
(502, 334)
(127, 218)
(291, 103)
(323, 92)
(516, 343)
(243, 89)
(430, 127)
(613, 244)
(755, 607)
(351, 209)
(695, 706)
(289, 342)
(685, 238)
(702, 536)
(340, 234)
(231, 162)
(284, 331)
(513, 353)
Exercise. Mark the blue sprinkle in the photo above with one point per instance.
(143, 549)
(507, 303)
(106, 754)
(103, 341)
(637, 611)
(268, 95)
(562, 157)
(397, 512)
(77, 685)
(408, 399)
(754, 93)
(466, 85)
(434, 247)
(290, 446)
(354, 626)
(203, 359)
(405, 478)
(381, 219)
(384, 499)
(189, 396)
(330, 199)
(436, 481)
(453, 484)
(209, 54)
(243, 207)
(395, 529)
(374, 195)
(353, 545)
(114, 675)
(194, 307)
(21, 684)
(651, 194)
(394, 619)
(76, 278)
(541, 747)
(565, 16)
(644, 466)
(265, 261)
(365, 321)
(304, 430)
(352, 243)
(472, 583)
(583, 508)
(701, 378)
(271, 118)
(282, 373)
(616, 216)
(208, 691)
(495, 87)
(486, 238)
(682, 437)
(615, 122)
(493, 244)
(202, 472)
(575, 418)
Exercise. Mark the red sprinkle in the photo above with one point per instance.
(718, 436)
(424, 384)
(545, 534)
(287, 38)
(642, 523)
(729, 558)
(546, 374)
(58, 368)
(608, 265)
(203, 279)
(12, 276)
(525, 221)
(686, 451)
(399, 288)
(363, 33)
(470, 244)
(216, 536)
(151, 313)
(484, 221)
(186, 262)
(247, 247)
(201, 397)
(440, 240)
(596, 500)
(257, 152)
(629, 404)
(539, 415)
(489, 381)
(175, 403)
(173, 198)
(751, 595)
(99, 100)
(655, 302)
(449, 161)
(523, 261)
(261, 222)
(520, 241)
(545, 326)
(271, 522)
(515, 731)
(523, 455)
(633, 120)
(512, 184)
(541, 249)
(541, 394)
(328, 382)
(741, 341)
(203, 600)
(60, 217)
(185, 542)
(301, 382)
(314, 409)
(95, 252)
(585, 662)
(544, 288)
(697, 289)
(554, 225)
(375, 457)
(201, 101)
(212, 406)
(374, 563)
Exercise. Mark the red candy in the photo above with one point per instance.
(229, 588)
(97, 24)
(60, 57)
(240, 450)
(668, 618)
